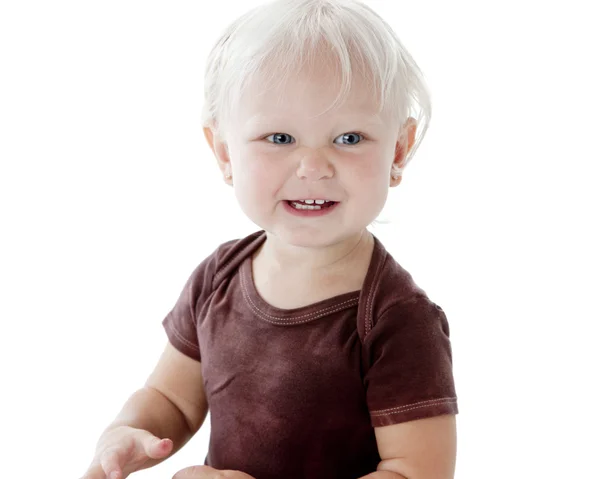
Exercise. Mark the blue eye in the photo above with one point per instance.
(279, 138)
(354, 138)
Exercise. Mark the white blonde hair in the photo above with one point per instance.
(279, 37)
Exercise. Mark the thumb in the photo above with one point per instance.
(154, 447)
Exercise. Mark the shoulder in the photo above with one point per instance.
(232, 252)
(224, 257)
(415, 319)
(211, 270)
(389, 288)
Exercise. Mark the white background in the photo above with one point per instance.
(109, 197)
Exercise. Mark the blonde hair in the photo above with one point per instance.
(279, 37)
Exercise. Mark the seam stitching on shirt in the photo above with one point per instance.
(416, 405)
(397, 303)
(182, 339)
(189, 293)
(309, 316)
(287, 322)
(369, 305)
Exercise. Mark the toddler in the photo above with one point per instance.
(314, 350)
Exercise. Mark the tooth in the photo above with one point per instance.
(309, 202)
(300, 206)
(319, 202)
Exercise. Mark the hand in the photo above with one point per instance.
(206, 472)
(124, 450)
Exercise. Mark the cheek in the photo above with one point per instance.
(263, 169)
(255, 174)
(370, 180)
(371, 169)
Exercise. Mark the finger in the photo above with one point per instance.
(198, 472)
(156, 448)
(112, 462)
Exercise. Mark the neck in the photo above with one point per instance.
(286, 257)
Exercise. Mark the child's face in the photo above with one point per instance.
(311, 158)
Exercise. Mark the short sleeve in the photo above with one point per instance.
(181, 323)
(409, 359)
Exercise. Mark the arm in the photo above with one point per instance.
(172, 404)
(148, 409)
(419, 449)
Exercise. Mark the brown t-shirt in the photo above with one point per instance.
(295, 393)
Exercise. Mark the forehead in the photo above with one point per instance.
(308, 93)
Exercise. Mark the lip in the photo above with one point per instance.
(309, 213)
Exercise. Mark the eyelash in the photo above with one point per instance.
(362, 137)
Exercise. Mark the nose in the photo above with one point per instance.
(314, 166)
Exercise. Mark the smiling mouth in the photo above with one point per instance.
(311, 204)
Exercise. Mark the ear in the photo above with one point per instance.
(406, 140)
(219, 148)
